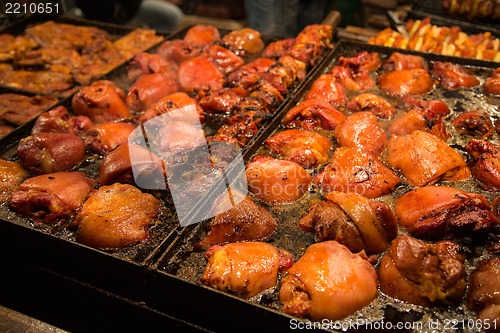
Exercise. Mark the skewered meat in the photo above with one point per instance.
(12, 174)
(115, 216)
(222, 101)
(472, 9)
(50, 152)
(202, 34)
(312, 114)
(239, 133)
(200, 73)
(375, 104)
(352, 170)
(179, 50)
(246, 221)
(361, 130)
(246, 268)
(148, 63)
(482, 296)
(398, 61)
(280, 76)
(328, 282)
(51, 197)
(249, 74)
(352, 220)
(422, 273)
(476, 123)
(132, 164)
(17, 109)
(492, 83)
(58, 120)
(244, 41)
(276, 181)
(326, 88)
(434, 211)
(424, 159)
(306, 148)
(149, 89)
(102, 101)
(486, 158)
(299, 68)
(453, 76)
(226, 60)
(312, 42)
(102, 138)
(422, 119)
(279, 48)
(404, 82)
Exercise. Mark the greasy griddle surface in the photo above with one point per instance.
(183, 261)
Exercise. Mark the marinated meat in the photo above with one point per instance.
(178, 136)
(276, 181)
(453, 76)
(475, 123)
(280, 76)
(422, 273)
(313, 114)
(102, 138)
(116, 216)
(58, 120)
(244, 41)
(43, 153)
(486, 159)
(226, 60)
(175, 101)
(306, 148)
(368, 102)
(312, 42)
(353, 79)
(137, 40)
(179, 50)
(424, 159)
(41, 82)
(200, 73)
(148, 63)
(398, 61)
(434, 211)
(200, 34)
(352, 220)
(249, 74)
(149, 89)
(326, 88)
(492, 83)
(17, 109)
(245, 269)
(279, 48)
(299, 68)
(361, 130)
(11, 47)
(404, 82)
(51, 197)
(362, 62)
(328, 282)
(223, 101)
(12, 174)
(422, 119)
(352, 170)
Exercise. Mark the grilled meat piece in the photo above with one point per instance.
(147, 63)
(12, 174)
(199, 74)
(404, 82)
(104, 137)
(17, 109)
(398, 61)
(226, 60)
(244, 41)
(486, 159)
(250, 73)
(149, 89)
(223, 101)
(279, 48)
(368, 102)
(492, 83)
(453, 76)
(204, 35)
(58, 120)
(179, 50)
(326, 88)
(476, 123)
(422, 119)
(313, 114)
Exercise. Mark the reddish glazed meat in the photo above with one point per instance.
(244, 41)
(51, 197)
(424, 159)
(279, 48)
(352, 220)
(115, 216)
(102, 101)
(280, 76)
(368, 102)
(245, 269)
(12, 174)
(200, 73)
(313, 114)
(453, 76)
(398, 61)
(149, 89)
(276, 181)
(352, 170)
(326, 88)
(308, 149)
(50, 152)
(132, 164)
(239, 133)
(433, 105)
(361, 130)
(148, 63)
(476, 123)
(419, 119)
(102, 138)
(353, 80)
(299, 68)
(172, 102)
(178, 136)
(367, 62)
(17, 109)
(486, 159)
(226, 60)
(202, 34)
(246, 221)
(328, 282)
(406, 82)
(422, 273)
(312, 42)
(179, 50)
(58, 120)
(492, 83)
(249, 74)
(223, 101)
(434, 211)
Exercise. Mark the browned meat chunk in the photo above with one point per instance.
(11, 174)
(454, 76)
(17, 109)
(486, 159)
(102, 138)
(476, 123)
(406, 82)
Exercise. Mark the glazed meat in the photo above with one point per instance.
(246, 221)
(433, 211)
(299, 68)
(11, 174)
(178, 136)
(368, 102)
(352, 79)
(175, 101)
(115, 216)
(102, 101)
(308, 149)
(328, 282)
(149, 89)
(404, 82)
(483, 293)
(17, 109)
(433, 105)
(453, 76)
(476, 123)
(424, 159)
(362, 62)
(58, 120)
(178, 50)
(486, 159)
(398, 61)
(222, 101)
(422, 273)
(244, 41)
(422, 119)
(132, 164)
(46, 82)
(102, 138)
(279, 48)
(148, 63)
(50, 152)
(361, 130)
(352, 170)
(313, 114)
(312, 42)
(200, 73)
(352, 220)
(200, 34)
(326, 88)
(276, 181)
(51, 197)
(5, 129)
(492, 83)
(245, 269)
(250, 73)
(226, 60)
